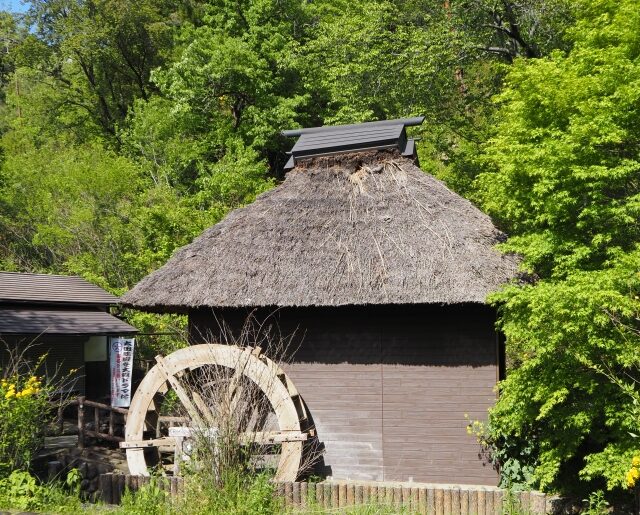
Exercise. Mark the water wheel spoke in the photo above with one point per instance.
(250, 394)
(181, 392)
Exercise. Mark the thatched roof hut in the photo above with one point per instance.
(354, 229)
(384, 272)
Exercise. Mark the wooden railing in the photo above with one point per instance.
(101, 413)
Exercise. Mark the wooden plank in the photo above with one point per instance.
(60, 442)
(304, 494)
(165, 441)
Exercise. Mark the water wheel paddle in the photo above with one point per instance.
(187, 373)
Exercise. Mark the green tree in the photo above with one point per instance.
(563, 180)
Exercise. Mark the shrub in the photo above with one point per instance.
(24, 406)
(20, 490)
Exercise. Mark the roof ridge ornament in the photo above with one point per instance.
(339, 139)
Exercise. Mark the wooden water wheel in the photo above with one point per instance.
(200, 388)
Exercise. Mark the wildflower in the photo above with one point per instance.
(10, 394)
(632, 476)
(636, 461)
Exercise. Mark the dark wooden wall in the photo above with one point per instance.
(388, 387)
(64, 353)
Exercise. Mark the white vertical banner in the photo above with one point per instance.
(121, 360)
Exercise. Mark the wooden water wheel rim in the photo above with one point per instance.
(268, 376)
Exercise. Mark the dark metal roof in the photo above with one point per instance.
(322, 141)
(51, 289)
(37, 321)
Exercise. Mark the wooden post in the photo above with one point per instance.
(464, 502)
(106, 488)
(406, 498)
(60, 418)
(455, 501)
(342, 495)
(359, 495)
(422, 501)
(288, 493)
(80, 422)
(334, 496)
(440, 501)
(366, 494)
(320, 495)
(537, 503)
(490, 510)
(96, 419)
(350, 495)
(112, 422)
(446, 501)
(473, 501)
(482, 502)
(296, 493)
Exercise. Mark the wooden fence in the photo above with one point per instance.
(406, 497)
(103, 414)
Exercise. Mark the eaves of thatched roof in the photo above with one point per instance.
(353, 229)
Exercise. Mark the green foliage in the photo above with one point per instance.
(596, 504)
(565, 154)
(150, 499)
(236, 494)
(126, 128)
(24, 405)
(20, 490)
(564, 182)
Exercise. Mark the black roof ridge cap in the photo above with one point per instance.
(405, 122)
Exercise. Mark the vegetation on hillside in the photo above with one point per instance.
(126, 128)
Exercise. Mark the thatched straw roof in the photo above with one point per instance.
(353, 229)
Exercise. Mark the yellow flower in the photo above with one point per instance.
(632, 476)
(635, 461)
(10, 394)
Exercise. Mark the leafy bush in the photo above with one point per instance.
(24, 405)
(20, 490)
(147, 500)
